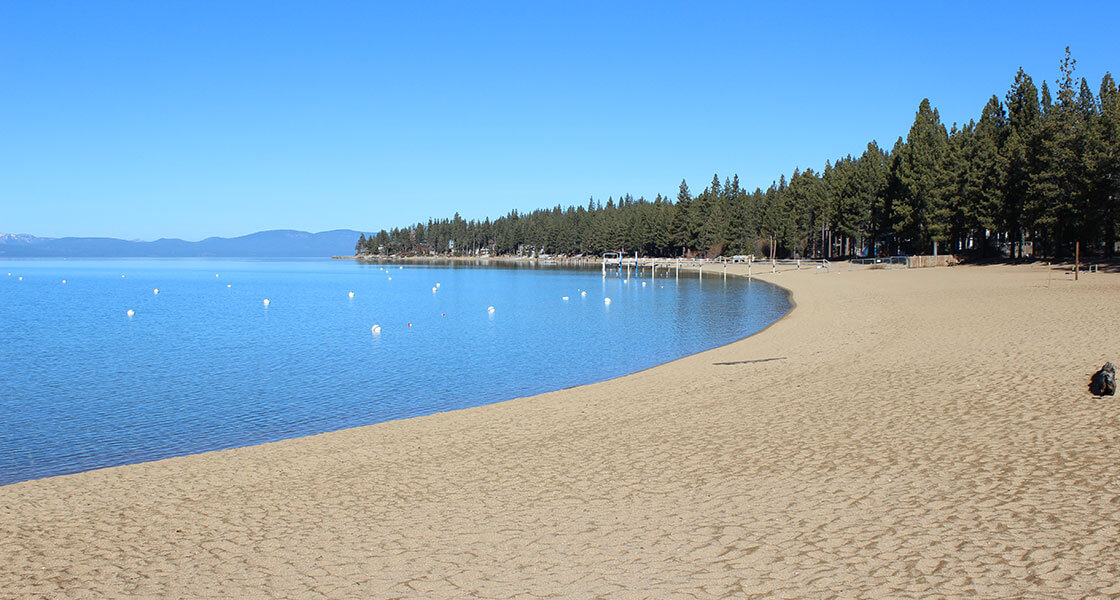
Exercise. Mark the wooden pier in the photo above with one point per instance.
(617, 263)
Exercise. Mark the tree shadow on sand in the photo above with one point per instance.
(750, 362)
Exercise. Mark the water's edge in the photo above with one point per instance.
(789, 297)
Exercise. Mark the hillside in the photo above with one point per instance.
(274, 243)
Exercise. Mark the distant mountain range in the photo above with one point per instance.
(275, 243)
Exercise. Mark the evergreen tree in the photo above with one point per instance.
(872, 180)
(684, 229)
(920, 214)
(1024, 114)
(664, 213)
(987, 174)
(1106, 178)
(1059, 186)
(776, 224)
(713, 234)
(1034, 168)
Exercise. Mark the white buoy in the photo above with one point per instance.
(606, 300)
(215, 274)
(437, 284)
(583, 293)
(122, 276)
(490, 309)
(376, 329)
(643, 284)
(400, 267)
(390, 279)
(267, 302)
(565, 298)
(351, 294)
(63, 281)
(155, 291)
(21, 277)
(130, 312)
(228, 285)
(9, 273)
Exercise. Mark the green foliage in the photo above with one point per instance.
(922, 211)
(1030, 169)
(986, 175)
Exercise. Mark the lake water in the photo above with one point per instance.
(204, 364)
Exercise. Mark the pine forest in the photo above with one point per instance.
(1037, 172)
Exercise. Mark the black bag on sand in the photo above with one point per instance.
(1103, 382)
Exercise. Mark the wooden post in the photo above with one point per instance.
(1049, 273)
(1076, 260)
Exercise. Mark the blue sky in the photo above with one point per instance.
(189, 119)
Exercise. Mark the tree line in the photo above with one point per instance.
(1035, 174)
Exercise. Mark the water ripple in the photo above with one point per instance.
(201, 366)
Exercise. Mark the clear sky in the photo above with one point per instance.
(187, 119)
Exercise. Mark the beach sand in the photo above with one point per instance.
(903, 433)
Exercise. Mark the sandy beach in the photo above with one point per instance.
(902, 433)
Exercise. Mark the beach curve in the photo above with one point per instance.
(901, 433)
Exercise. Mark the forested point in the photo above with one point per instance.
(1032, 177)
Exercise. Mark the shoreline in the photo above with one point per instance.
(905, 432)
(790, 299)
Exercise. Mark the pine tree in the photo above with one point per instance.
(1106, 178)
(1093, 226)
(775, 220)
(713, 234)
(1023, 116)
(1039, 168)
(872, 179)
(1058, 202)
(987, 177)
(741, 228)
(949, 213)
(925, 181)
(684, 234)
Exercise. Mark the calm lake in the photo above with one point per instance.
(205, 364)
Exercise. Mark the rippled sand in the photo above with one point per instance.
(901, 434)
